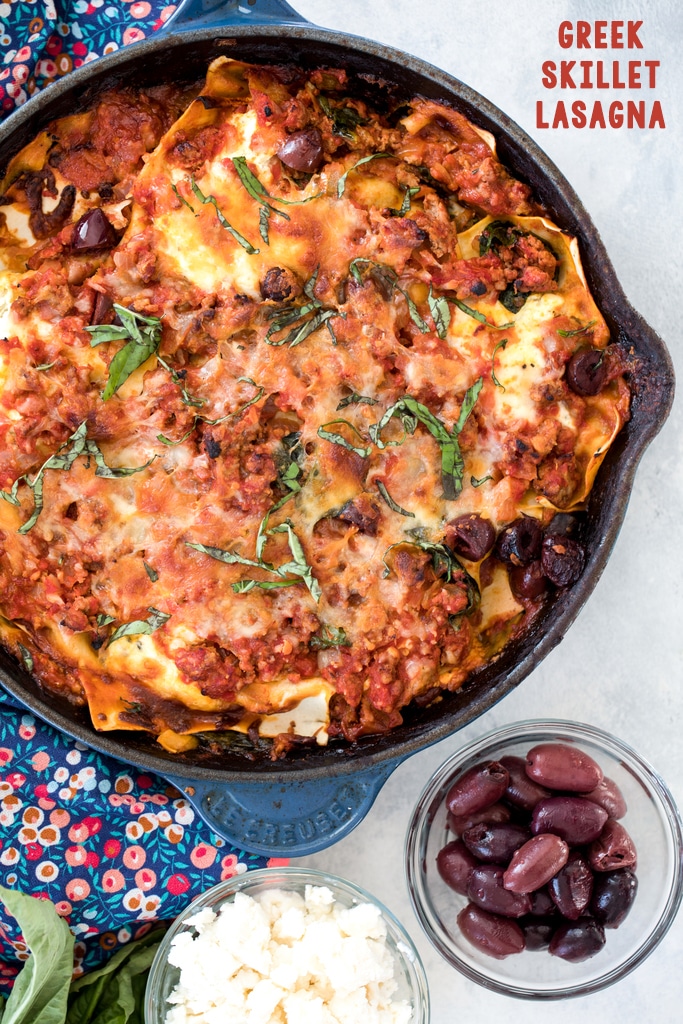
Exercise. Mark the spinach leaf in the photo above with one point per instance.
(142, 335)
(344, 119)
(512, 300)
(115, 991)
(40, 992)
(140, 626)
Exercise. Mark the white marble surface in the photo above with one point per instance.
(619, 666)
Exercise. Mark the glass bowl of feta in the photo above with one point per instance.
(286, 944)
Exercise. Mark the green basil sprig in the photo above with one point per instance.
(142, 335)
(140, 626)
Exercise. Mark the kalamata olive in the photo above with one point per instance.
(572, 818)
(496, 814)
(613, 896)
(535, 863)
(579, 940)
(93, 233)
(564, 523)
(103, 304)
(477, 788)
(485, 888)
(559, 766)
(497, 936)
(280, 284)
(520, 542)
(562, 559)
(521, 790)
(538, 931)
(470, 536)
(542, 904)
(586, 371)
(303, 151)
(613, 848)
(495, 844)
(454, 863)
(528, 580)
(572, 886)
(609, 796)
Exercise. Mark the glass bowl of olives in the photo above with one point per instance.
(545, 860)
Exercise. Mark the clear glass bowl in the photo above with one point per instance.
(652, 820)
(409, 972)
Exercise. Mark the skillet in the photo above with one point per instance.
(314, 798)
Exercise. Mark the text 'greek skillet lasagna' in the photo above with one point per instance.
(291, 394)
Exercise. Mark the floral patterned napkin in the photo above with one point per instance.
(41, 40)
(114, 848)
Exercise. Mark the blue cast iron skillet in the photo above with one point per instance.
(308, 802)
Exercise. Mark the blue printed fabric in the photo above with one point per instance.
(42, 40)
(112, 847)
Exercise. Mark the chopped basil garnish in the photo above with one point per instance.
(183, 199)
(445, 565)
(452, 462)
(501, 344)
(344, 119)
(477, 483)
(341, 184)
(104, 620)
(45, 366)
(355, 399)
(476, 315)
(64, 458)
(245, 243)
(297, 567)
(142, 335)
(257, 191)
(26, 657)
(221, 419)
(389, 282)
(329, 636)
(152, 573)
(340, 440)
(390, 501)
(497, 234)
(562, 334)
(139, 626)
(286, 316)
(441, 313)
(405, 205)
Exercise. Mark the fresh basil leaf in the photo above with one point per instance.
(104, 620)
(245, 243)
(140, 626)
(383, 275)
(177, 378)
(468, 403)
(421, 324)
(335, 438)
(562, 334)
(300, 333)
(501, 344)
(26, 657)
(355, 399)
(41, 989)
(45, 366)
(329, 636)
(264, 223)
(259, 193)
(143, 335)
(221, 419)
(476, 315)
(125, 362)
(244, 586)
(152, 573)
(477, 483)
(441, 313)
(390, 501)
(341, 184)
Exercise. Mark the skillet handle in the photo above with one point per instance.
(224, 13)
(286, 817)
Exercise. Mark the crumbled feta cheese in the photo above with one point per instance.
(281, 958)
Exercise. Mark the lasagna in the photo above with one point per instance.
(298, 397)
